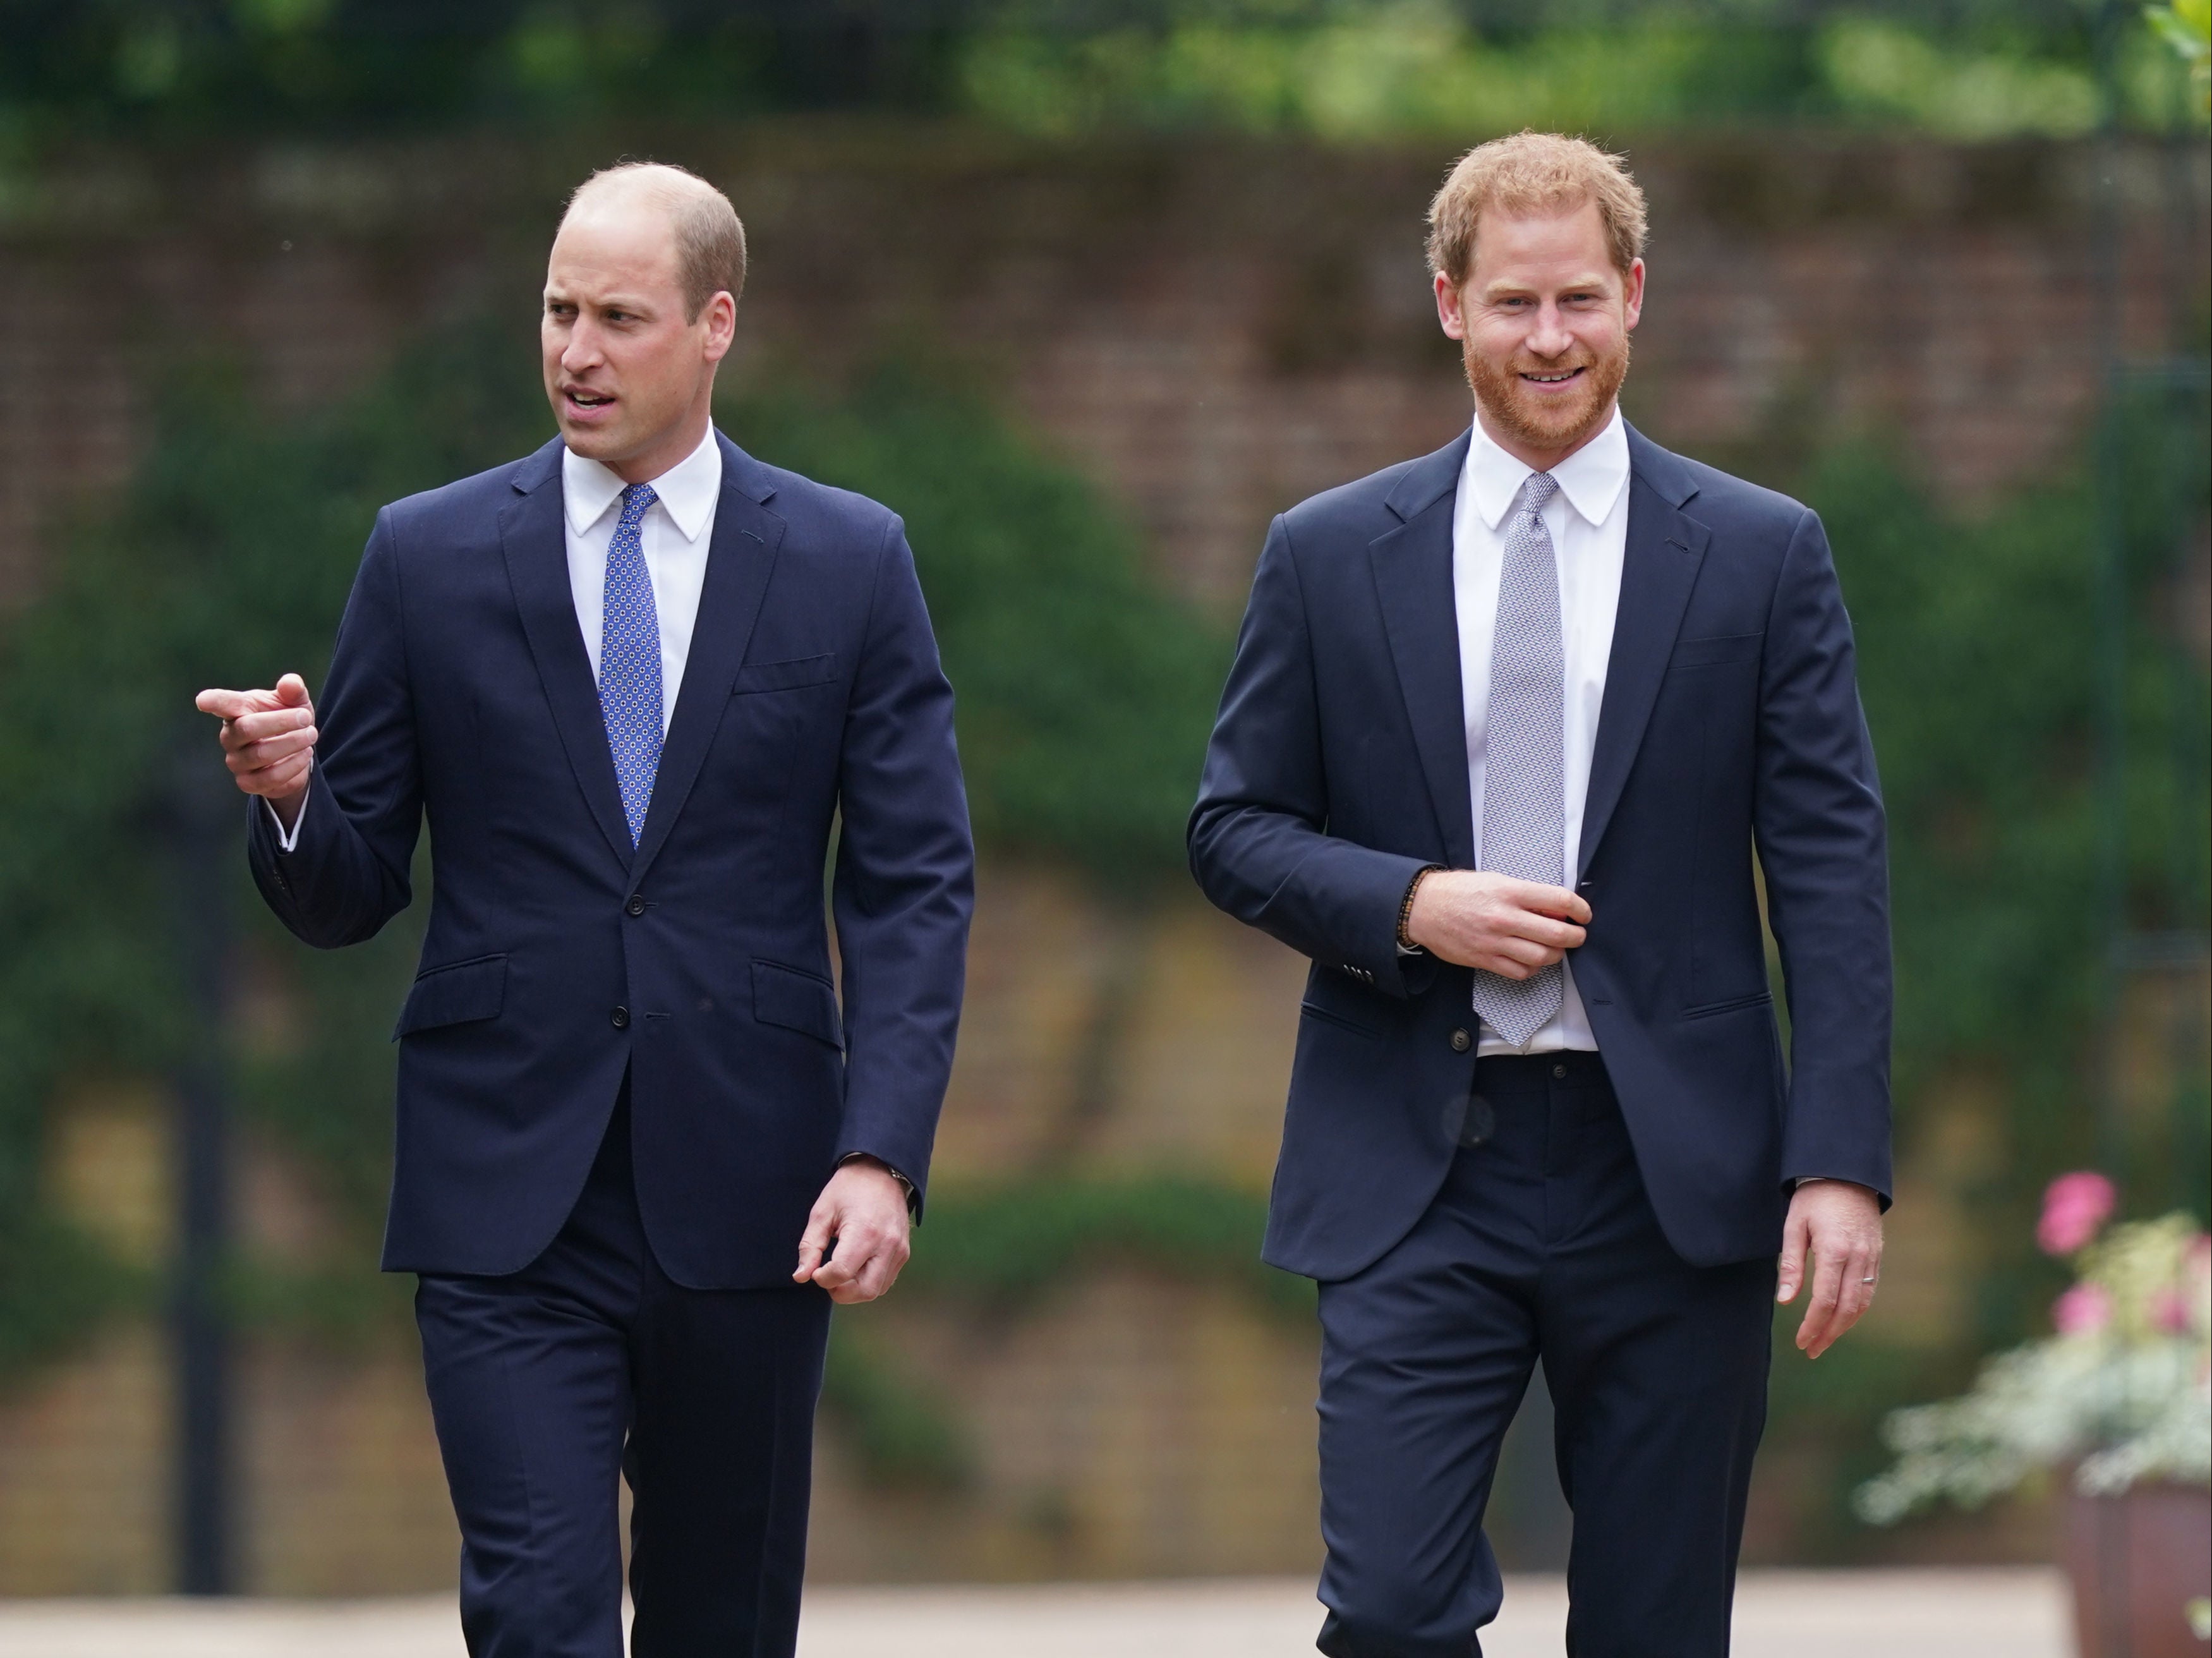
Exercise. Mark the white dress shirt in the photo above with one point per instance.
(678, 529)
(674, 536)
(1587, 519)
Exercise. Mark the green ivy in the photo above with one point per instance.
(906, 1435)
(1085, 692)
(1980, 663)
(1009, 1247)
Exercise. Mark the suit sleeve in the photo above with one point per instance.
(347, 874)
(1823, 848)
(904, 884)
(1258, 838)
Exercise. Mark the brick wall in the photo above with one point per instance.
(1213, 330)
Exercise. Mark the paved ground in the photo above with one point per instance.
(1897, 1614)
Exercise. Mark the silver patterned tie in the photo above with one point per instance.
(1525, 777)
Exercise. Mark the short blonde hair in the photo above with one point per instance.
(710, 239)
(1533, 172)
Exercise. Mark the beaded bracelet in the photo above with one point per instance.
(1406, 909)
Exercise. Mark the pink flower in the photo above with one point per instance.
(2083, 1310)
(2074, 1207)
(2169, 1311)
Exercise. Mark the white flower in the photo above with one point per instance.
(2130, 1400)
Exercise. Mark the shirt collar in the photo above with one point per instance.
(1590, 478)
(687, 489)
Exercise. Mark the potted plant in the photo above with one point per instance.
(2121, 1395)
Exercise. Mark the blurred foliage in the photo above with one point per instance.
(1008, 1247)
(1346, 69)
(998, 1251)
(1421, 67)
(905, 1435)
(1085, 692)
(1979, 666)
(140, 610)
(1979, 662)
(2186, 25)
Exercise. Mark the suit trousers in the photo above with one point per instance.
(549, 1384)
(1541, 1243)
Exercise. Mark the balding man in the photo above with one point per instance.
(633, 679)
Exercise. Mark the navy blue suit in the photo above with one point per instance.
(680, 991)
(1337, 769)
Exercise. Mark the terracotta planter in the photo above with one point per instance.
(2134, 1562)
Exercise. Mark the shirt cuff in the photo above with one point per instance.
(287, 839)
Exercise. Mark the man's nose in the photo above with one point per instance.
(583, 350)
(1550, 337)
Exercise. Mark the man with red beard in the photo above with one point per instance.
(1506, 729)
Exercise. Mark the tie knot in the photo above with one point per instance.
(637, 500)
(1540, 489)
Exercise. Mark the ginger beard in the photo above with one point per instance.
(1547, 422)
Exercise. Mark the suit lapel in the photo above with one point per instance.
(535, 547)
(1665, 549)
(1412, 568)
(740, 557)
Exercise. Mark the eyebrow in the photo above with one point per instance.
(1498, 289)
(604, 302)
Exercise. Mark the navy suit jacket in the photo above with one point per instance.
(1731, 720)
(557, 957)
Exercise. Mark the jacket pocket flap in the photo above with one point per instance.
(1733, 1005)
(1711, 652)
(454, 995)
(797, 1001)
(1313, 1010)
(785, 676)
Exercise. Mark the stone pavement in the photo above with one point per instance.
(1988, 1613)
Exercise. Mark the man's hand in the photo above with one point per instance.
(863, 1212)
(1838, 1224)
(268, 741)
(1473, 918)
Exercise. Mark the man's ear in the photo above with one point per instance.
(1450, 316)
(721, 318)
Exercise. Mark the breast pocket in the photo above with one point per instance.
(1716, 652)
(802, 672)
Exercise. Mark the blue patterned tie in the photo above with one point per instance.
(629, 661)
(1525, 777)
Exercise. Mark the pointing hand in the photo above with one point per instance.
(268, 741)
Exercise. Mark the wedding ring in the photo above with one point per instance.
(1866, 1280)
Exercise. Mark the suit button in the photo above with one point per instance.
(1559, 1071)
(620, 1018)
(636, 906)
(1461, 1042)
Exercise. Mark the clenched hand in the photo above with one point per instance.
(1474, 918)
(268, 741)
(862, 1213)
